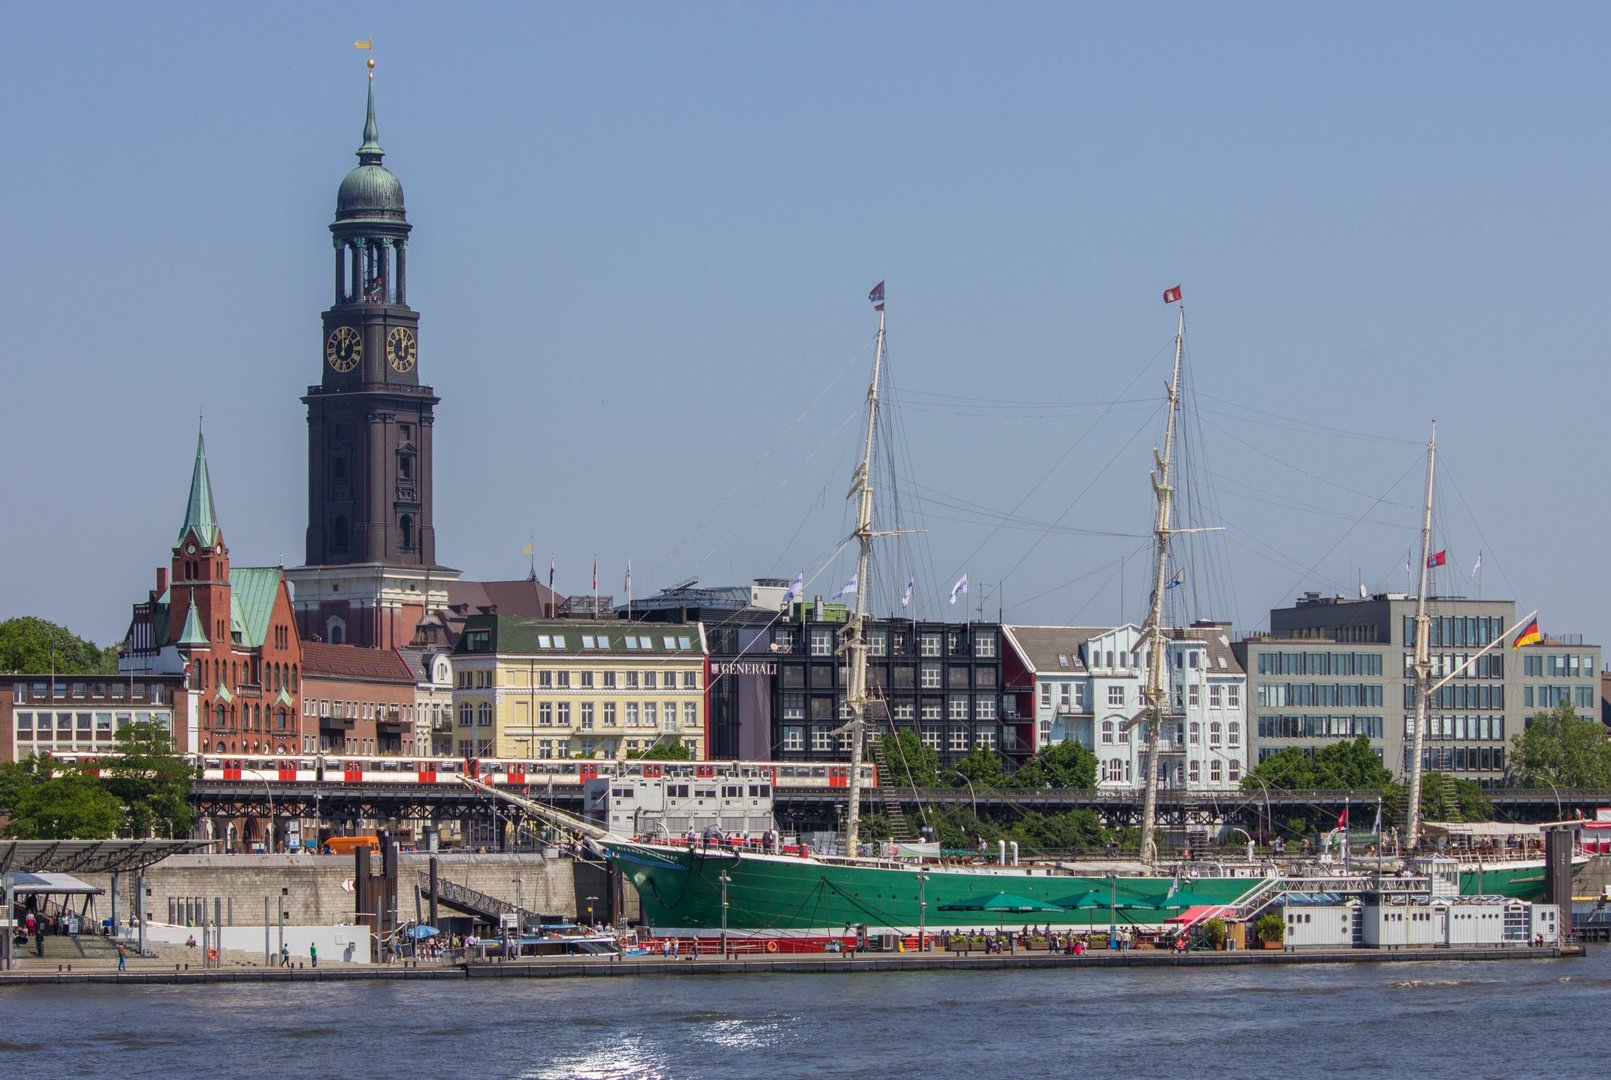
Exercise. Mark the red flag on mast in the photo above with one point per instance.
(1437, 558)
(1172, 296)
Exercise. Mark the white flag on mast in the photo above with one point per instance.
(959, 588)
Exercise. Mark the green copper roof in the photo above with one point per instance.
(192, 634)
(371, 147)
(253, 590)
(199, 516)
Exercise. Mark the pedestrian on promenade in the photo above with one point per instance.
(122, 957)
(313, 954)
(285, 955)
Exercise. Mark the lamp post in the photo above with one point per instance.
(724, 879)
(922, 910)
(520, 898)
(268, 839)
(590, 902)
(972, 794)
(1559, 813)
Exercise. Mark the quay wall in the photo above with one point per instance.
(313, 892)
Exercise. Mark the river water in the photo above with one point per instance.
(1466, 1020)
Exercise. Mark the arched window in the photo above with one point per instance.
(1195, 771)
(483, 714)
(280, 749)
(1214, 771)
(221, 748)
(219, 717)
(1233, 733)
(1213, 734)
(1236, 771)
(405, 525)
(1195, 731)
(295, 686)
(1115, 770)
(280, 720)
(466, 714)
(1107, 731)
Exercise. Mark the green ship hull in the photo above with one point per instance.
(681, 892)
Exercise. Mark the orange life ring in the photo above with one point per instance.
(212, 954)
(771, 946)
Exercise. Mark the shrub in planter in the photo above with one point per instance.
(1214, 931)
(1271, 928)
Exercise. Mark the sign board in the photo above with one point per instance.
(509, 920)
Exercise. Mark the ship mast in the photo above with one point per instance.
(1155, 694)
(1423, 659)
(855, 650)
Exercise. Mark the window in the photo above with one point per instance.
(1233, 696)
(1214, 771)
(1195, 732)
(609, 680)
(793, 739)
(1046, 695)
(632, 714)
(562, 714)
(1193, 694)
(587, 680)
(984, 645)
(690, 680)
(985, 738)
(1116, 696)
(929, 677)
(1107, 731)
(821, 739)
(545, 714)
(931, 738)
(793, 706)
(958, 708)
(878, 643)
(959, 738)
(690, 714)
(1214, 695)
(1213, 734)
(822, 643)
(1195, 772)
(984, 708)
(587, 716)
(928, 645)
(609, 714)
(1236, 771)
(1233, 733)
(651, 680)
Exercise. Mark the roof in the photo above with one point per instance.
(527, 596)
(1217, 636)
(199, 516)
(578, 637)
(253, 590)
(89, 856)
(1043, 647)
(53, 885)
(353, 662)
(193, 633)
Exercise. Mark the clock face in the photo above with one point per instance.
(344, 349)
(401, 349)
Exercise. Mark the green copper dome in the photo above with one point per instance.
(370, 192)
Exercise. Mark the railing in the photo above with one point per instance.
(462, 896)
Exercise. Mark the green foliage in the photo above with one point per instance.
(672, 749)
(1350, 764)
(908, 762)
(1063, 765)
(957, 828)
(984, 768)
(1449, 798)
(1562, 748)
(34, 645)
(1214, 931)
(151, 781)
(1270, 927)
(43, 806)
(875, 827)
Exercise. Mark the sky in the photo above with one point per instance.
(643, 239)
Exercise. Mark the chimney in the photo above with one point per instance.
(162, 580)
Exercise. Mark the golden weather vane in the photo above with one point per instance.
(368, 45)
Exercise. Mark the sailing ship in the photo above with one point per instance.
(695, 888)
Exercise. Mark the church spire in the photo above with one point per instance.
(370, 152)
(199, 516)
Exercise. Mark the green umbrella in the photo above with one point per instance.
(1001, 901)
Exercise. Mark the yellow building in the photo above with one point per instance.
(546, 688)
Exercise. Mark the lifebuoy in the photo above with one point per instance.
(212, 954)
(771, 946)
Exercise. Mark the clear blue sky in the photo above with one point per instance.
(644, 235)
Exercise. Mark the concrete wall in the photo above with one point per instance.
(337, 944)
(313, 894)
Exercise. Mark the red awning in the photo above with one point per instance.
(1192, 914)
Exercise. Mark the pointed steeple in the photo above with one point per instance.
(370, 152)
(199, 515)
(193, 634)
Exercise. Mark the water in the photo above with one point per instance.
(1471, 1020)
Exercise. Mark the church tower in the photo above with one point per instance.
(371, 571)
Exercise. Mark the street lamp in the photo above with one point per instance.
(590, 901)
(1559, 813)
(520, 899)
(724, 879)
(972, 794)
(268, 840)
(922, 910)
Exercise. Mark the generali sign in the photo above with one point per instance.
(744, 667)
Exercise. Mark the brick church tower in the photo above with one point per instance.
(371, 572)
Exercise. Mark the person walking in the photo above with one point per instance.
(122, 957)
(285, 955)
(313, 954)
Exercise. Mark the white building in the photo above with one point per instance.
(1087, 685)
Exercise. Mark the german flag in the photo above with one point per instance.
(1528, 635)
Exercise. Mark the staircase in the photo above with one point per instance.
(1243, 907)
(889, 800)
(473, 902)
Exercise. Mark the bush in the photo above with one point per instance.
(1214, 930)
(1271, 927)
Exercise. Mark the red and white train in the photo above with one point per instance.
(499, 772)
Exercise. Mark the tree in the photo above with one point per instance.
(981, 767)
(907, 762)
(152, 782)
(671, 749)
(1062, 765)
(1562, 748)
(36, 645)
(66, 805)
(1350, 765)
